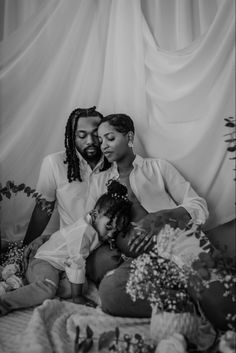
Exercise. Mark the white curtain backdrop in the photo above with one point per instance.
(170, 64)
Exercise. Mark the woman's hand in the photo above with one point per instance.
(141, 235)
(32, 248)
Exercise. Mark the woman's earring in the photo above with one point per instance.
(130, 144)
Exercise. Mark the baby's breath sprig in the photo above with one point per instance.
(160, 281)
(14, 255)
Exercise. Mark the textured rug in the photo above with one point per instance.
(51, 327)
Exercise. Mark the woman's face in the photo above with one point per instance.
(114, 145)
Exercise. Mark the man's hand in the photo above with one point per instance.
(141, 235)
(32, 248)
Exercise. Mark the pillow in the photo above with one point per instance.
(114, 298)
(100, 261)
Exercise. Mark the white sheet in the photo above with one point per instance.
(169, 64)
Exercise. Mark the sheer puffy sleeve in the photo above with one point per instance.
(182, 193)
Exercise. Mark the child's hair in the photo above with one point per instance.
(116, 205)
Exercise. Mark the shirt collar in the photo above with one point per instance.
(85, 166)
(138, 160)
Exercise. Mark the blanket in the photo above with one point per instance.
(51, 327)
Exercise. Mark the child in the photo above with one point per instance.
(67, 249)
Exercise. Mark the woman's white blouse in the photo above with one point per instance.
(157, 185)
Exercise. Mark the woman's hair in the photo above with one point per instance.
(121, 122)
(115, 205)
(73, 170)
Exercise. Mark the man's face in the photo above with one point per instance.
(86, 138)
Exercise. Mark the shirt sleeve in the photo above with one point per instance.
(79, 241)
(95, 190)
(75, 269)
(46, 184)
(183, 194)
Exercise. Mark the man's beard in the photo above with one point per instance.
(96, 155)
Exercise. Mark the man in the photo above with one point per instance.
(65, 176)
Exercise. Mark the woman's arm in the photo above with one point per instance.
(189, 206)
(182, 193)
(141, 233)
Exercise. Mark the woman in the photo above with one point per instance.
(159, 195)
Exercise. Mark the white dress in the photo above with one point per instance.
(68, 248)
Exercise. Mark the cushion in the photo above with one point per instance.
(114, 299)
(100, 261)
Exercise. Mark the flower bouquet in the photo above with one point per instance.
(160, 276)
(164, 284)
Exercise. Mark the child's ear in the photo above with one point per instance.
(93, 214)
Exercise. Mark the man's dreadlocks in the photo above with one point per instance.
(73, 170)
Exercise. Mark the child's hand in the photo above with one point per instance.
(84, 301)
(31, 250)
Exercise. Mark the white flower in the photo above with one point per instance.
(228, 342)
(14, 282)
(3, 288)
(9, 270)
(173, 344)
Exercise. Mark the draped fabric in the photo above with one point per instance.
(168, 64)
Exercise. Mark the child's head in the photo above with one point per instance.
(112, 212)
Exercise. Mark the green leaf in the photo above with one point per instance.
(7, 194)
(138, 337)
(15, 189)
(21, 187)
(229, 118)
(230, 140)
(105, 339)
(76, 344)
(230, 124)
(89, 332)
(231, 149)
(10, 184)
(117, 333)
